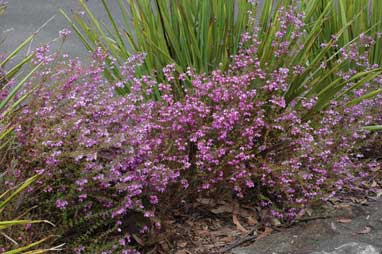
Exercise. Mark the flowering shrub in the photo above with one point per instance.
(232, 133)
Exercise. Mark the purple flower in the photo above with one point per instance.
(61, 204)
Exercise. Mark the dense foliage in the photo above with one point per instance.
(279, 125)
(126, 161)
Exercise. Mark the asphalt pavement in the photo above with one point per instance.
(24, 17)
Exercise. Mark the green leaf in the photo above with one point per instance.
(11, 223)
(373, 128)
(21, 188)
(30, 246)
(13, 92)
(16, 51)
(363, 97)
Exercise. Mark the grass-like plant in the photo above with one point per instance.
(9, 103)
(364, 17)
(374, 127)
(11, 82)
(5, 199)
(284, 46)
(198, 34)
(202, 34)
(355, 19)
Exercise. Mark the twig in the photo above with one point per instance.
(57, 248)
(252, 235)
(9, 238)
(315, 218)
(322, 217)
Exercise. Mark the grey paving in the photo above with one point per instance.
(361, 234)
(352, 248)
(24, 17)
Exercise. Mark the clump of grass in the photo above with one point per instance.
(354, 17)
(197, 34)
(269, 128)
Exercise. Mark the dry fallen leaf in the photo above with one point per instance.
(227, 239)
(267, 232)
(190, 223)
(343, 220)
(360, 201)
(379, 193)
(238, 225)
(301, 214)
(181, 244)
(222, 209)
(245, 213)
(309, 211)
(235, 207)
(223, 231)
(169, 222)
(206, 201)
(343, 206)
(202, 232)
(165, 246)
(251, 220)
(333, 226)
(366, 230)
(276, 222)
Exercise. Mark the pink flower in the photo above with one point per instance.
(61, 204)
